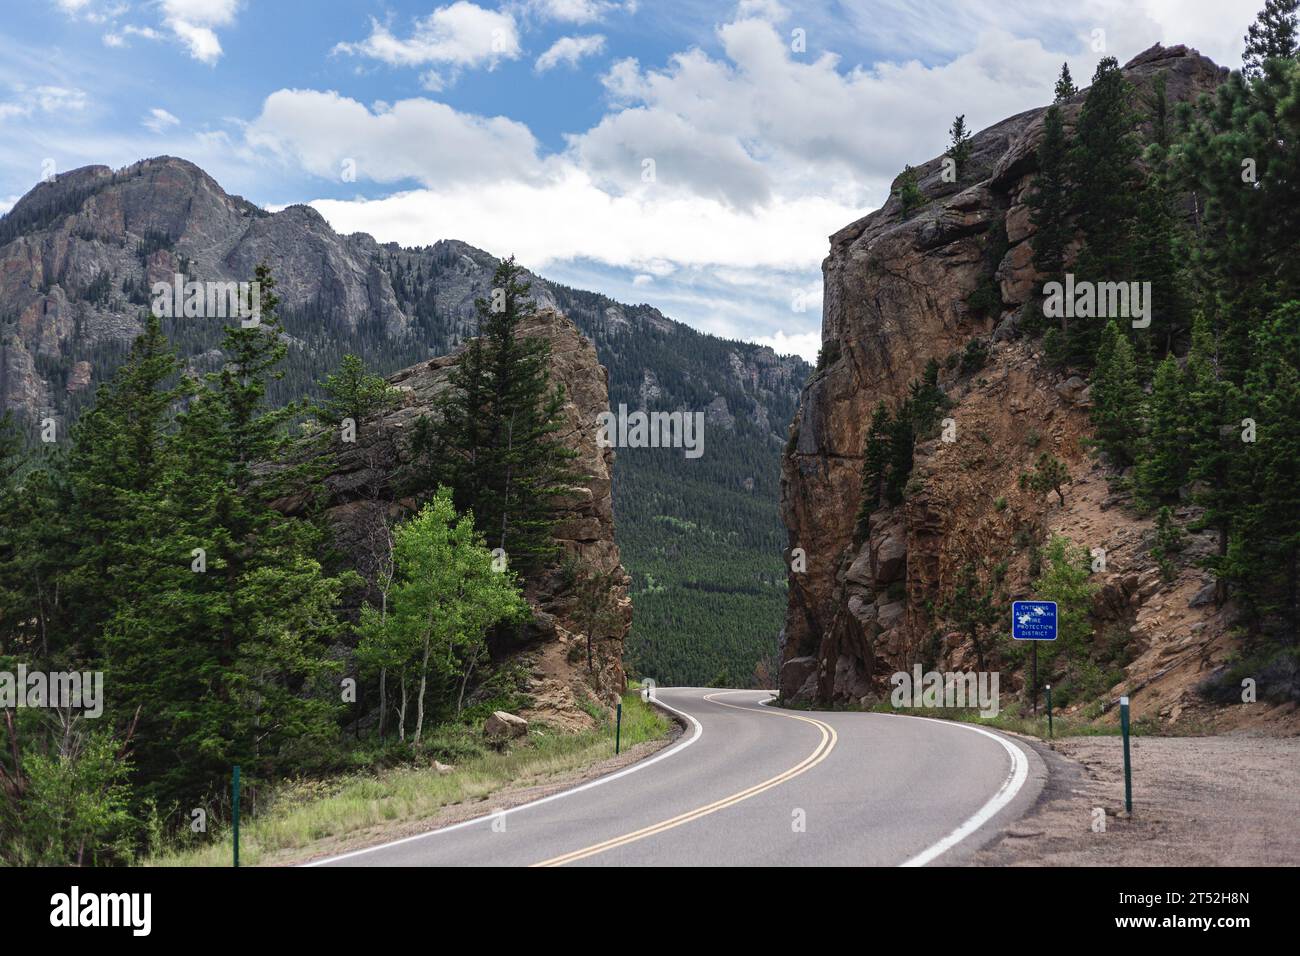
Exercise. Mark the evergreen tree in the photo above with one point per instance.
(1049, 205)
(1102, 166)
(112, 467)
(1238, 159)
(225, 647)
(1050, 474)
(1215, 407)
(1265, 565)
(1065, 87)
(494, 441)
(972, 610)
(1161, 251)
(909, 192)
(1271, 36)
(959, 145)
(876, 456)
(1116, 397)
(1162, 466)
(353, 392)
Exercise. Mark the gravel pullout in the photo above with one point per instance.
(1197, 801)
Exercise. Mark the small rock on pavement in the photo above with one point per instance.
(502, 725)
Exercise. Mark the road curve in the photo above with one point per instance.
(752, 785)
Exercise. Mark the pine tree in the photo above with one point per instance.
(1065, 87)
(902, 437)
(1271, 36)
(113, 466)
(494, 441)
(959, 145)
(1049, 205)
(1161, 251)
(1163, 463)
(225, 647)
(353, 392)
(972, 610)
(1215, 409)
(1116, 397)
(1239, 161)
(1102, 166)
(875, 461)
(1266, 559)
(908, 192)
(1050, 474)
(925, 399)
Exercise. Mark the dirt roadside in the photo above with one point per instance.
(1197, 801)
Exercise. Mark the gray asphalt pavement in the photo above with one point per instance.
(751, 785)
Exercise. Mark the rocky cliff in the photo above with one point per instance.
(363, 498)
(898, 293)
(78, 256)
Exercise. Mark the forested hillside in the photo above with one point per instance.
(81, 252)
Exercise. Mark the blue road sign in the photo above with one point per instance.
(1033, 620)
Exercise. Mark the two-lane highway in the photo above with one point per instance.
(749, 784)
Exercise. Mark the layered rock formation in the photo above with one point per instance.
(364, 497)
(897, 294)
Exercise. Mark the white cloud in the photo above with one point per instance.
(158, 119)
(453, 37)
(574, 11)
(411, 139)
(569, 50)
(29, 100)
(193, 22)
(568, 216)
(804, 344)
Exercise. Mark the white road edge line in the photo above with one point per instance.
(639, 765)
(1006, 793)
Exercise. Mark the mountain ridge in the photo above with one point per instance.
(79, 254)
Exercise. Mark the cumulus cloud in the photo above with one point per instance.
(194, 22)
(569, 50)
(568, 216)
(158, 119)
(450, 38)
(414, 139)
(803, 344)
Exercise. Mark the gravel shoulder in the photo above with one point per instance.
(1197, 801)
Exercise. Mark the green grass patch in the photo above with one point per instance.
(305, 812)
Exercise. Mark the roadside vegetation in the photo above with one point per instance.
(307, 812)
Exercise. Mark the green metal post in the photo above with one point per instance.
(1049, 711)
(618, 728)
(234, 789)
(1128, 772)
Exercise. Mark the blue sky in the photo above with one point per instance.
(693, 155)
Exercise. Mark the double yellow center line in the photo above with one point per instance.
(824, 747)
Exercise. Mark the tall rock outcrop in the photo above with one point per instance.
(365, 493)
(898, 293)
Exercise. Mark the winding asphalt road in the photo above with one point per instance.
(752, 785)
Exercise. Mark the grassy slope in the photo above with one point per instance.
(307, 812)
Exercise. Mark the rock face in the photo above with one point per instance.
(896, 296)
(80, 252)
(362, 495)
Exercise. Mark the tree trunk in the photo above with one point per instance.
(424, 678)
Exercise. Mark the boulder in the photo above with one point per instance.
(890, 558)
(503, 726)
